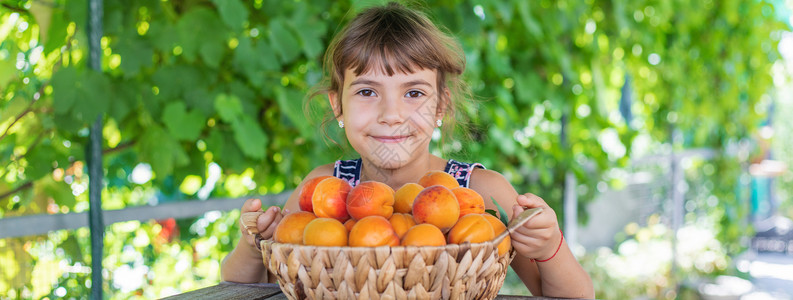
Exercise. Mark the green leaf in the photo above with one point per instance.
(253, 60)
(181, 124)
(56, 31)
(283, 41)
(250, 137)
(232, 12)
(96, 96)
(310, 37)
(39, 161)
(65, 86)
(225, 151)
(76, 11)
(291, 105)
(126, 94)
(204, 23)
(60, 192)
(163, 35)
(268, 60)
(136, 53)
(161, 151)
(13, 108)
(501, 212)
(228, 107)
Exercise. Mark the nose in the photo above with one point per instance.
(391, 110)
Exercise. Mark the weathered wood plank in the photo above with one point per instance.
(231, 291)
(43, 223)
(271, 291)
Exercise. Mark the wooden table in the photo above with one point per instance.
(270, 291)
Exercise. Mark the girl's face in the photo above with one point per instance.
(389, 119)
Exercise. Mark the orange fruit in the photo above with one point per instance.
(471, 228)
(373, 231)
(424, 235)
(290, 229)
(401, 223)
(404, 196)
(307, 192)
(438, 206)
(325, 232)
(330, 199)
(370, 198)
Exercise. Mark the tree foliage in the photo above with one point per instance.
(566, 86)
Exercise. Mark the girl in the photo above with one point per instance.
(393, 78)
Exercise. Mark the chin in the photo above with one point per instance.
(388, 164)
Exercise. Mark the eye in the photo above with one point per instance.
(414, 94)
(366, 93)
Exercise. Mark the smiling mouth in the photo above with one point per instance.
(391, 138)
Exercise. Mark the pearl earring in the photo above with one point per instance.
(438, 122)
(341, 124)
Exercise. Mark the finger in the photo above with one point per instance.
(516, 210)
(267, 217)
(530, 200)
(270, 230)
(252, 205)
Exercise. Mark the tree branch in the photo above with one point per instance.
(41, 88)
(18, 189)
(32, 145)
(26, 111)
(120, 147)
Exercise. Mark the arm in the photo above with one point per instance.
(539, 238)
(244, 264)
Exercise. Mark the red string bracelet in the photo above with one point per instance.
(557, 249)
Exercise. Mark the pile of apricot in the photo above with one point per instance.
(433, 212)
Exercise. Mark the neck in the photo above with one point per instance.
(396, 177)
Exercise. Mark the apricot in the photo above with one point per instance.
(290, 230)
(470, 201)
(404, 196)
(349, 224)
(373, 231)
(438, 206)
(498, 228)
(424, 235)
(370, 198)
(330, 199)
(307, 191)
(471, 228)
(325, 232)
(438, 178)
(401, 223)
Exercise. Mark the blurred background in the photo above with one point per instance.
(659, 131)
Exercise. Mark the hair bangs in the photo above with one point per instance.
(391, 48)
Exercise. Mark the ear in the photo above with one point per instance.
(443, 104)
(335, 104)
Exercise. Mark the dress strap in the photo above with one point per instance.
(349, 170)
(461, 171)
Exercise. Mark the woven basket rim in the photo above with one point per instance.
(444, 247)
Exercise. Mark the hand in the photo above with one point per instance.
(539, 237)
(265, 223)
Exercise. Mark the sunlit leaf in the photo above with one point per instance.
(232, 12)
(283, 41)
(182, 125)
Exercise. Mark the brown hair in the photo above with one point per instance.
(397, 39)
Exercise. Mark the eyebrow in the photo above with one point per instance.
(376, 83)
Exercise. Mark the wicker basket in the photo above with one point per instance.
(465, 271)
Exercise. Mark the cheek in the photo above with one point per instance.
(424, 119)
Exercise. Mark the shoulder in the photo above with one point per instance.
(323, 170)
(489, 183)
